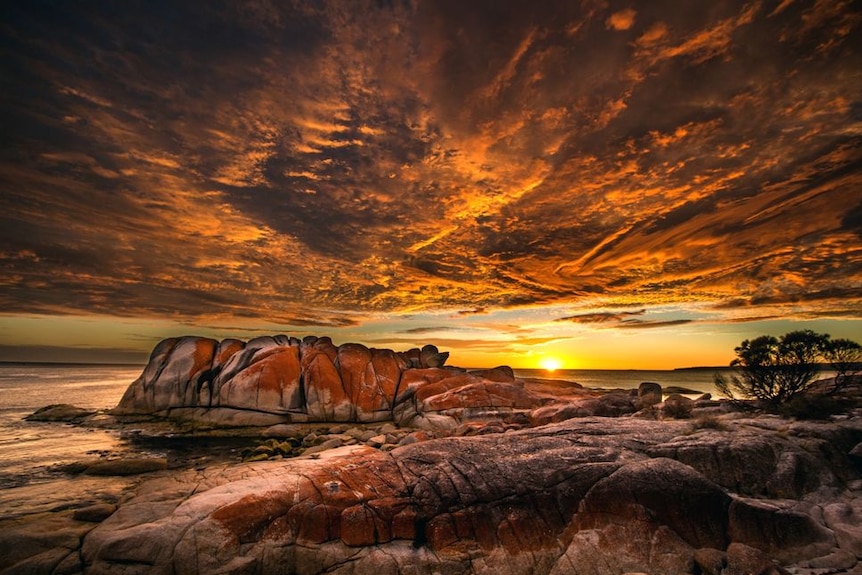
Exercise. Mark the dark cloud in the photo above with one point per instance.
(603, 317)
(621, 319)
(311, 162)
(636, 324)
(431, 329)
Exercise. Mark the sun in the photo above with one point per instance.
(550, 363)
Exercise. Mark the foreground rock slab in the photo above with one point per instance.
(585, 496)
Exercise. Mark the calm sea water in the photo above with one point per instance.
(31, 452)
(696, 379)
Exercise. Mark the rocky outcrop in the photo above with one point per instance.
(588, 496)
(280, 379)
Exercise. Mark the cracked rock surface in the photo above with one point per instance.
(588, 496)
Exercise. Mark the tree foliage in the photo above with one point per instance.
(776, 370)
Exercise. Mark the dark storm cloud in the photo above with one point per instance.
(306, 162)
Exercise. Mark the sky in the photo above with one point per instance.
(607, 184)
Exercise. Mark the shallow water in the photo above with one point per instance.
(33, 454)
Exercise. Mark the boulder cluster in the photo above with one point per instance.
(280, 379)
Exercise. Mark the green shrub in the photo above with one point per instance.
(775, 371)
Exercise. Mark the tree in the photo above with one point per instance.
(776, 370)
(846, 358)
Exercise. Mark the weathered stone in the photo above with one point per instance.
(786, 535)
(745, 560)
(845, 520)
(649, 393)
(711, 561)
(430, 356)
(677, 406)
(502, 373)
(659, 490)
(278, 380)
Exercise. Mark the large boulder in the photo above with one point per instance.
(272, 380)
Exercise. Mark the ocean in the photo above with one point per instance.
(696, 379)
(32, 453)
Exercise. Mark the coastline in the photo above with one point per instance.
(640, 431)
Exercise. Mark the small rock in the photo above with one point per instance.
(376, 441)
(649, 393)
(678, 406)
(326, 445)
(360, 434)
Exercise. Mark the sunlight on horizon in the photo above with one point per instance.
(551, 364)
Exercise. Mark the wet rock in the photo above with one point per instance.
(60, 412)
(127, 466)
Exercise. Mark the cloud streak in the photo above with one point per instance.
(314, 164)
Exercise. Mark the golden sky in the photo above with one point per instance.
(615, 184)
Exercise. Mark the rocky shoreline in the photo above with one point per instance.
(481, 473)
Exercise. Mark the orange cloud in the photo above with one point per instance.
(622, 20)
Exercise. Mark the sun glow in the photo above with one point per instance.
(550, 363)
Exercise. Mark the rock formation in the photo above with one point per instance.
(272, 380)
(588, 496)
